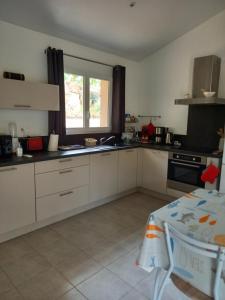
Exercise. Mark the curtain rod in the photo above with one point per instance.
(86, 59)
(90, 60)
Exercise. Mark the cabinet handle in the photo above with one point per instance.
(65, 171)
(65, 160)
(7, 170)
(66, 193)
(22, 105)
(105, 154)
(129, 150)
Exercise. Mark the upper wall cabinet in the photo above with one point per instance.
(16, 94)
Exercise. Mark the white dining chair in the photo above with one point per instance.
(209, 250)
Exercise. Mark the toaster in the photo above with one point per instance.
(30, 144)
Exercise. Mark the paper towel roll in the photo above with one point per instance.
(53, 142)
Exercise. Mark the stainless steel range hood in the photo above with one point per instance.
(205, 77)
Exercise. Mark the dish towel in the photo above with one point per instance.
(210, 174)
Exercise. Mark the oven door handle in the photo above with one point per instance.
(187, 165)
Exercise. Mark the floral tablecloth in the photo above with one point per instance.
(201, 215)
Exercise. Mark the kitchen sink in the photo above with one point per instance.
(103, 147)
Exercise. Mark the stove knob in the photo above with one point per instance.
(194, 159)
(177, 156)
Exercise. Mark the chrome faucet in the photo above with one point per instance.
(105, 140)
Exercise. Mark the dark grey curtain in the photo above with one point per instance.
(118, 99)
(56, 119)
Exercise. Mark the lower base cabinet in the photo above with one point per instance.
(56, 204)
(127, 169)
(17, 200)
(154, 170)
(103, 175)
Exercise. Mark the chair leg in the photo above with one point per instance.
(217, 277)
(156, 285)
(163, 285)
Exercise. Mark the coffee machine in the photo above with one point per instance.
(160, 135)
(5, 146)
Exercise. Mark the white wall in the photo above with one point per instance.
(167, 74)
(22, 51)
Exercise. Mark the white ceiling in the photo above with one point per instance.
(111, 25)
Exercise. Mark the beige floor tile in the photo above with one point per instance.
(133, 240)
(134, 295)
(104, 286)
(5, 284)
(24, 268)
(47, 285)
(106, 253)
(125, 267)
(42, 238)
(79, 248)
(13, 250)
(78, 269)
(11, 295)
(72, 295)
(57, 251)
(84, 238)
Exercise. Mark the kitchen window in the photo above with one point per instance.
(88, 102)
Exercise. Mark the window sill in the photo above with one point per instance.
(74, 131)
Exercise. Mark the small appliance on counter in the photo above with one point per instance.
(169, 138)
(160, 135)
(30, 144)
(5, 146)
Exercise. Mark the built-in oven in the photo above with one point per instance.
(184, 171)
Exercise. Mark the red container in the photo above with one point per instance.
(34, 144)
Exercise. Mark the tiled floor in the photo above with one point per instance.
(89, 256)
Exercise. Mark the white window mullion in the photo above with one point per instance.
(86, 103)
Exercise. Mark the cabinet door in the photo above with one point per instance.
(17, 200)
(103, 177)
(127, 169)
(18, 94)
(155, 164)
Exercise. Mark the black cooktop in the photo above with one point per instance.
(197, 149)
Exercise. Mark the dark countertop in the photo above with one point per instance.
(177, 150)
(44, 155)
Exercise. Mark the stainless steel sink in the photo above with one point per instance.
(103, 147)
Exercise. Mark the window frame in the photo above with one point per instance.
(86, 113)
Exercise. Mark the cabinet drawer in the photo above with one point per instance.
(63, 163)
(58, 181)
(56, 204)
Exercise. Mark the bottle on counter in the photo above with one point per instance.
(19, 151)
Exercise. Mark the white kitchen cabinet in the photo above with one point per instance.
(103, 175)
(59, 203)
(127, 169)
(17, 200)
(17, 94)
(62, 163)
(154, 170)
(62, 180)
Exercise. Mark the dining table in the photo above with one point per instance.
(199, 215)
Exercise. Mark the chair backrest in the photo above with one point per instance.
(209, 250)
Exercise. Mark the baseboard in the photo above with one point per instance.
(175, 193)
(37, 225)
(165, 197)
